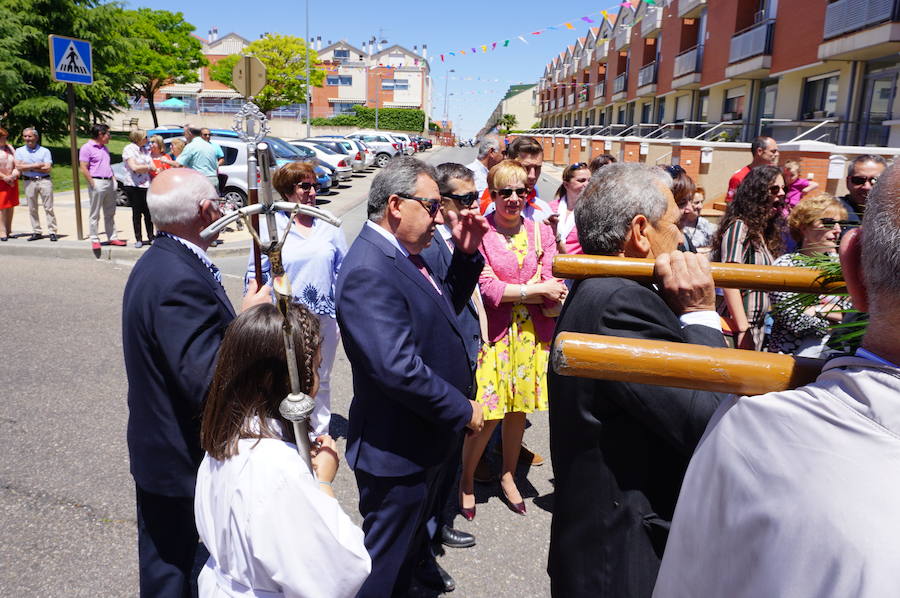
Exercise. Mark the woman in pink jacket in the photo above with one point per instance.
(516, 285)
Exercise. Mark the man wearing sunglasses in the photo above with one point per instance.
(862, 174)
(411, 376)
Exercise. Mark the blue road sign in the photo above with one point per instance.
(70, 60)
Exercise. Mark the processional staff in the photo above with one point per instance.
(251, 126)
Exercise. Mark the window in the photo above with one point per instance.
(820, 96)
(339, 80)
(231, 154)
(733, 108)
(342, 108)
(395, 84)
(682, 108)
(341, 55)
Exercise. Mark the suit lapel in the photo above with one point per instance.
(193, 261)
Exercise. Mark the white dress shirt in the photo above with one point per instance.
(481, 172)
(271, 531)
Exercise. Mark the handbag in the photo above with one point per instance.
(555, 309)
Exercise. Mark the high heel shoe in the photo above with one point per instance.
(518, 508)
(468, 513)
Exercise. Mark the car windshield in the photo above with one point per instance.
(325, 150)
(347, 146)
(284, 150)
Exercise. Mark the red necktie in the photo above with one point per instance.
(419, 263)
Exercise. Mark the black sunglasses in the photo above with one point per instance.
(521, 192)
(861, 180)
(431, 205)
(307, 186)
(466, 199)
(829, 222)
(774, 189)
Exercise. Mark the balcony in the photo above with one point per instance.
(647, 80)
(600, 93)
(690, 9)
(687, 68)
(584, 96)
(621, 37)
(861, 30)
(601, 51)
(652, 23)
(570, 99)
(619, 86)
(751, 50)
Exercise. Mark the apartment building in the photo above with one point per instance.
(521, 102)
(728, 71)
(206, 94)
(387, 77)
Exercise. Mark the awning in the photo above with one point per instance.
(400, 105)
(346, 100)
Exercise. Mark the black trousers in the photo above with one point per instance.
(137, 197)
(169, 553)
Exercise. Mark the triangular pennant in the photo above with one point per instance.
(569, 26)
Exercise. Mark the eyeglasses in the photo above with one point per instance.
(306, 186)
(521, 192)
(431, 205)
(774, 189)
(861, 180)
(466, 199)
(830, 222)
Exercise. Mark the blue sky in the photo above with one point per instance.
(443, 26)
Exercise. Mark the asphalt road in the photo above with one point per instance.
(67, 521)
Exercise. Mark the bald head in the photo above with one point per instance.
(881, 242)
(175, 196)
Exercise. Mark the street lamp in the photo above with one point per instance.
(446, 79)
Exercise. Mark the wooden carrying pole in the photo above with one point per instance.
(733, 276)
(680, 365)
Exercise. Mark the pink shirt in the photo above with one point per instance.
(506, 267)
(795, 193)
(97, 157)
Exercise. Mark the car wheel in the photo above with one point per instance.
(235, 196)
(121, 196)
(381, 160)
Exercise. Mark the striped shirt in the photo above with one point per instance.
(737, 248)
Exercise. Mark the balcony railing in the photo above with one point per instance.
(601, 50)
(622, 37)
(687, 62)
(647, 74)
(570, 99)
(752, 42)
(620, 83)
(845, 16)
(690, 8)
(599, 92)
(652, 22)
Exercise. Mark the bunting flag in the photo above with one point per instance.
(442, 58)
(569, 26)
(506, 43)
(587, 19)
(494, 45)
(484, 49)
(523, 40)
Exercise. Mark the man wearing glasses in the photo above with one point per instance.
(411, 377)
(862, 173)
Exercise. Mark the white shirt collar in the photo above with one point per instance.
(391, 238)
(194, 248)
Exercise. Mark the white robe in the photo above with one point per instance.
(794, 494)
(270, 531)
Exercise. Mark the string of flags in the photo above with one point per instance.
(564, 26)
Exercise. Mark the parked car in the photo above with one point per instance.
(367, 152)
(408, 147)
(344, 146)
(380, 144)
(326, 157)
(424, 142)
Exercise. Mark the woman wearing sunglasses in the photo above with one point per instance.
(312, 255)
(516, 284)
(575, 178)
(751, 233)
(815, 224)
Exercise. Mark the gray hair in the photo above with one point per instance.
(614, 196)
(178, 205)
(862, 159)
(491, 142)
(451, 171)
(881, 241)
(33, 130)
(399, 176)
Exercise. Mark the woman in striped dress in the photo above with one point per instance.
(751, 233)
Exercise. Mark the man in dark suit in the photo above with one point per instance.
(619, 449)
(174, 314)
(411, 375)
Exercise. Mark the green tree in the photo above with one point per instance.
(165, 52)
(284, 57)
(508, 121)
(28, 96)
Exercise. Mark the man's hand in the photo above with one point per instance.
(476, 424)
(685, 281)
(468, 229)
(256, 295)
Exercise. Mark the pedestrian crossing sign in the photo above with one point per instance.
(71, 60)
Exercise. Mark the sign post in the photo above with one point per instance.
(71, 62)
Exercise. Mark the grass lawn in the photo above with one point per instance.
(61, 173)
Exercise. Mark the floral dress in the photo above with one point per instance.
(512, 372)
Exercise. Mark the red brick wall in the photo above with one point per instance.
(798, 33)
(574, 151)
(632, 152)
(812, 162)
(559, 151)
(596, 148)
(688, 154)
(720, 19)
(671, 26)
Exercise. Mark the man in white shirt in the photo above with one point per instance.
(530, 154)
(795, 493)
(489, 154)
(34, 162)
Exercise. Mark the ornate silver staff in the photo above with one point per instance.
(251, 125)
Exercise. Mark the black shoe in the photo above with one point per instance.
(53, 237)
(431, 575)
(455, 538)
(35, 237)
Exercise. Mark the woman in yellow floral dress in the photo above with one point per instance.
(512, 367)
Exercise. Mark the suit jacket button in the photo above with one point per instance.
(615, 504)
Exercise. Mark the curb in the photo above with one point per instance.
(73, 250)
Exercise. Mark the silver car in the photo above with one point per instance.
(337, 161)
(380, 144)
(357, 159)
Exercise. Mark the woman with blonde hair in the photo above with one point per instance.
(138, 168)
(511, 375)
